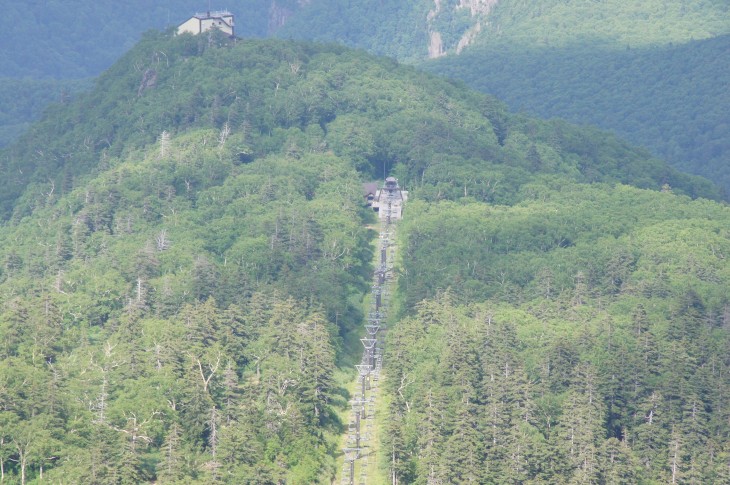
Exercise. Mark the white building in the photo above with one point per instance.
(202, 22)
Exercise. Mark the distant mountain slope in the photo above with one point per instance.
(23, 101)
(416, 30)
(80, 38)
(672, 99)
(606, 22)
(46, 44)
(619, 65)
(146, 93)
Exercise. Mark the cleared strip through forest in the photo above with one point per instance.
(360, 450)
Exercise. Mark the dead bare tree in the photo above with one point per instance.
(212, 368)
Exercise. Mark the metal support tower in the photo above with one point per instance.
(361, 425)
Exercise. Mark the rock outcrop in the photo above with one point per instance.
(479, 11)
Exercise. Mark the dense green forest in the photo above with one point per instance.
(393, 29)
(659, 93)
(53, 48)
(185, 252)
(403, 29)
(580, 335)
(669, 99)
(79, 38)
(380, 124)
(23, 101)
(607, 22)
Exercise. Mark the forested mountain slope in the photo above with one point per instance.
(158, 87)
(426, 28)
(23, 101)
(184, 249)
(671, 99)
(51, 49)
(578, 336)
(584, 80)
(79, 38)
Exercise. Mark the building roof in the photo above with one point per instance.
(218, 14)
(369, 188)
(201, 22)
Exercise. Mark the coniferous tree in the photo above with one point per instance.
(617, 463)
(650, 432)
(463, 451)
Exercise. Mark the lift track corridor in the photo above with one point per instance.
(360, 450)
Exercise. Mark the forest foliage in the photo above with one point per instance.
(668, 99)
(54, 49)
(77, 39)
(550, 58)
(185, 250)
(81, 38)
(23, 101)
(578, 336)
(607, 23)
(301, 95)
(179, 324)
(402, 29)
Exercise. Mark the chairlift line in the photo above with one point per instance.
(388, 201)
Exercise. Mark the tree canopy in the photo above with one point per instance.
(185, 251)
(666, 98)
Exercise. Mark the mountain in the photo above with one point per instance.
(428, 29)
(51, 50)
(79, 39)
(670, 99)
(101, 124)
(24, 100)
(647, 71)
(186, 251)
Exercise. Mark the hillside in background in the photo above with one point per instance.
(52, 49)
(621, 66)
(117, 116)
(671, 99)
(609, 22)
(78, 38)
(652, 72)
(24, 100)
(185, 252)
(414, 31)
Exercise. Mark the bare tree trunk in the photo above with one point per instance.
(212, 367)
(674, 462)
(23, 458)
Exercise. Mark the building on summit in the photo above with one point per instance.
(202, 22)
